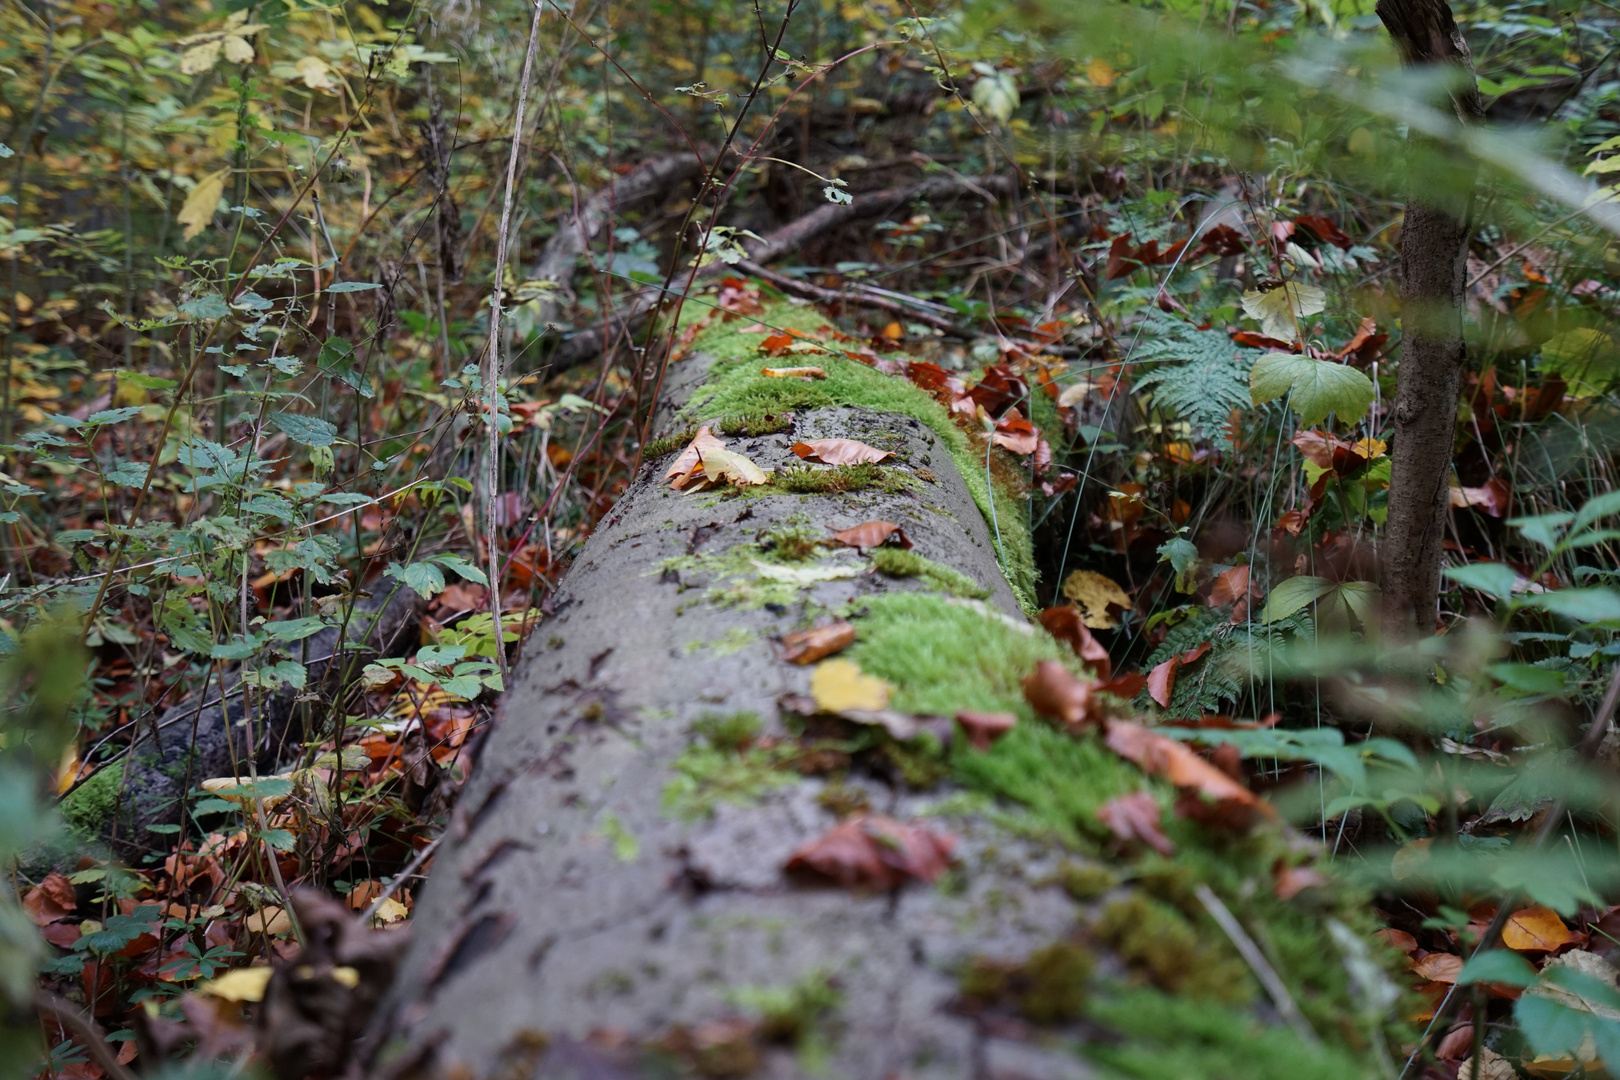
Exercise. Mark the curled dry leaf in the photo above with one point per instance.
(868, 851)
(1162, 756)
(982, 729)
(840, 452)
(1161, 681)
(1400, 939)
(1052, 690)
(1492, 499)
(1064, 623)
(808, 646)
(691, 460)
(841, 684)
(776, 344)
(793, 372)
(1439, 967)
(1134, 819)
(1536, 929)
(1016, 434)
(1095, 594)
(871, 534)
(721, 465)
(52, 899)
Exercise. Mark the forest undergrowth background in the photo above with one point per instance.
(256, 379)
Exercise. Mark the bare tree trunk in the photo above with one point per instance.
(1434, 249)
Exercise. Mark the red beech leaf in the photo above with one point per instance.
(930, 377)
(1159, 755)
(871, 534)
(1064, 623)
(776, 344)
(1161, 681)
(839, 452)
(982, 729)
(1052, 690)
(1323, 229)
(1261, 341)
(1125, 685)
(1289, 881)
(1135, 819)
(1493, 499)
(868, 851)
(51, 900)
(1222, 240)
(1016, 434)
(808, 646)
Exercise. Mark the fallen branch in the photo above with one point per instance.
(789, 238)
(857, 295)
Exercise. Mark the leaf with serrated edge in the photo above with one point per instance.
(1271, 308)
(1314, 387)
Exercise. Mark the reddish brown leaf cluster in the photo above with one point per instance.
(872, 852)
(983, 729)
(1064, 623)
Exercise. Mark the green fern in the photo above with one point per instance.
(1200, 377)
(1220, 678)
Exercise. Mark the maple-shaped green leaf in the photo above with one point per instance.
(1271, 307)
(1314, 387)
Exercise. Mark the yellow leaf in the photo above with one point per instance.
(1094, 592)
(390, 911)
(1101, 73)
(242, 984)
(725, 464)
(841, 684)
(199, 206)
(237, 51)
(199, 58)
(271, 921)
(316, 73)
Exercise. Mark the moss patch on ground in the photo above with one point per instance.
(736, 387)
(88, 810)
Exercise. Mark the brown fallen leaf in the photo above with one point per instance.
(1456, 1044)
(1125, 685)
(1161, 681)
(776, 343)
(52, 899)
(1232, 587)
(871, 534)
(1015, 433)
(1052, 690)
(808, 646)
(1288, 882)
(1064, 623)
(1439, 967)
(1134, 819)
(793, 372)
(1162, 756)
(868, 851)
(1536, 929)
(982, 729)
(721, 465)
(840, 452)
(690, 461)
(1400, 939)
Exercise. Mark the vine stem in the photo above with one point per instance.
(492, 350)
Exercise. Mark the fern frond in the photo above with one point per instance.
(1200, 375)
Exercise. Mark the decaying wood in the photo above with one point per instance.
(1434, 250)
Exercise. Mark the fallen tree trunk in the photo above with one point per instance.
(677, 847)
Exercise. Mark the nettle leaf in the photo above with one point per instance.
(1314, 387)
(1280, 308)
(308, 430)
(423, 577)
(295, 629)
(211, 306)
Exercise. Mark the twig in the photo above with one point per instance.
(1275, 987)
(858, 296)
(399, 879)
(64, 1013)
(492, 358)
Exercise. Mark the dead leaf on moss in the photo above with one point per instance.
(1135, 819)
(983, 729)
(1064, 623)
(1536, 929)
(1015, 433)
(868, 851)
(1161, 756)
(1288, 882)
(871, 534)
(841, 684)
(793, 372)
(1053, 690)
(691, 460)
(840, 452)
(808, 646)
(1095, 593)
(1400, 939)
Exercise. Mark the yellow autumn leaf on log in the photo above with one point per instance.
(199, 206)
(721, 464)
(1093, 592)
(841, 684)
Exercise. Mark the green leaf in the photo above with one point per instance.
(308, 430)
(1495, 578)
(1314, 387)
(1182, 555)
(1528, 678)
(1271, 308)
(294, 629)
(1542, 529)
(352, 286)
(424, 578)
(1582, 605)
(464, 567)
(1585, 358)
(279, 839)
(1498, 966)
(1292, 595)
(211, 306)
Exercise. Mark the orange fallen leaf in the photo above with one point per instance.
(1288, 882)
(691, 460)
(894, 332)
(871, 534)
(839, 452)
(1015, 433)
(1536, 929)
(793, 372)
(1052, 690)
(1135, 818)
(983, 729)
(776, 343)
(1439, 967)
(52, 899)
(808, 646)
(1162, 756)
(1161, 681)
(1064, 623)
(1232, 587)
(868, 851)
(1400, 939)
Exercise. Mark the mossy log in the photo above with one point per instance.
(613, 898)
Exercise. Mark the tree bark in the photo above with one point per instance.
(1434, 250)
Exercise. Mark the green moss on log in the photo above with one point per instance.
(90, 809)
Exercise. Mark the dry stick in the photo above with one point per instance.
(1584, 753)
(1275, 987)
(859, 297)
(67, 1016)
(492, 350)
